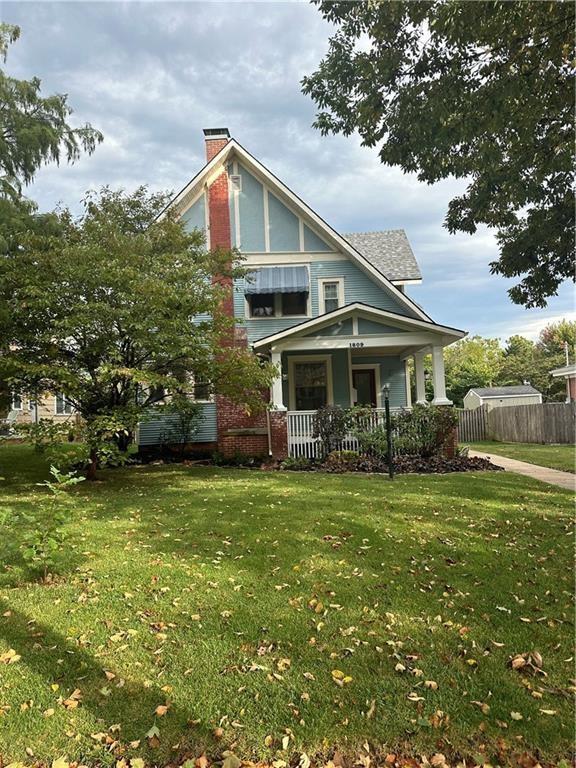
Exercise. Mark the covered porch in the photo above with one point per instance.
(353, 356)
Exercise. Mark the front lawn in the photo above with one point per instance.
(561, 457)
(295, 612)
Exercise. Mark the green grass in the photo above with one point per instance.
(561, 457)
(192, 585)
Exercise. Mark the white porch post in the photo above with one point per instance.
(438, 377)
(277, 396)
(420, 381)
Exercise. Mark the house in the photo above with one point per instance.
(499, 397)
(25, 410)
(567, 372)
(330, 310)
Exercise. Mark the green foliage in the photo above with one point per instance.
(330, 425)
(296, 463)
(342, 461)
(103, 310)
(44, 527)
(471, 362)
(45, 433)
(495, 83)
(188, 417)
(35, 129)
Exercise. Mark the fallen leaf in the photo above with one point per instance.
(10, 657)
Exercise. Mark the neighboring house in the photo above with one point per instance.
(330, 310)
(25, 410)
(499, 397)
(567, 372)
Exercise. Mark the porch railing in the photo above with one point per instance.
(300, 429)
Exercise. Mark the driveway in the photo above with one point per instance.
(544, 474)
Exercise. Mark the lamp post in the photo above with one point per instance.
(388, 431)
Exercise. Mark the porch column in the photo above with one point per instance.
(438, 377)
(276, 393)
(420, 381)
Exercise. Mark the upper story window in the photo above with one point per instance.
(63, 406)
(278, 292)
(330, 294)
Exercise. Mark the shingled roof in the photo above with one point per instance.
(522, 389)
(389, 251)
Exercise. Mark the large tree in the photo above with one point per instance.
(473, 362)
(119, 306)
(482, 91)
(34, 130)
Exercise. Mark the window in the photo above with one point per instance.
(331, 294)
(310, 385)
(63, 406)
(201, 390)
(16, 402)
(262, 305)
(278, 304)
(294, 303)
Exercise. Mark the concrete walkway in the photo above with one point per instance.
(546, 475)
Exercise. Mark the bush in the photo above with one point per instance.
(330, 424)
(296, 464)
(342, 461)
(188, 415)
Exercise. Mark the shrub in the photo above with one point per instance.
(342, 461)
(188, 415)
(330, 424)
(296, 463)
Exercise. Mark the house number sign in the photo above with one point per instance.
(356, 343)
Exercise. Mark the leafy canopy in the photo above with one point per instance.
(118, 306)
(34, 130)
(481, 91)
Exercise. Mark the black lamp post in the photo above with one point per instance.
(388, 431)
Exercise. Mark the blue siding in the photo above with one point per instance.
(284, 226)
(392, 372)
(195, 216)
(357, 287)
(251, 206)
(154, 431)
(312, 242)
(368, 327)
(341, 328)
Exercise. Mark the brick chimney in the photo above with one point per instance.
(216, 139)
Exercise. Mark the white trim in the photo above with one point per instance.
(301, 234)
(358, 344)
(569, 371)
(354, 325)
(236, 198)
(328, 233)
(322, 281)
(281, 258)
(413, 281)
(407, 384)
(266, 219)
(309, 359)
(337, 314)
(207, 216)
(365, 367)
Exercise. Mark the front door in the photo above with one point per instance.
(364, 383)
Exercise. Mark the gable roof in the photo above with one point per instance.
(389, 251)
(188, 194)
(519, 391)
(366, 309)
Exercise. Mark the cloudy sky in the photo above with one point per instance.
(151, 75)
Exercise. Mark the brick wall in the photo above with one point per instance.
(213, 146)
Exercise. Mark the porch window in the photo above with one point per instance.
(63, 405)
(310, 385)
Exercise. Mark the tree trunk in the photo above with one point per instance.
(92, 466)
